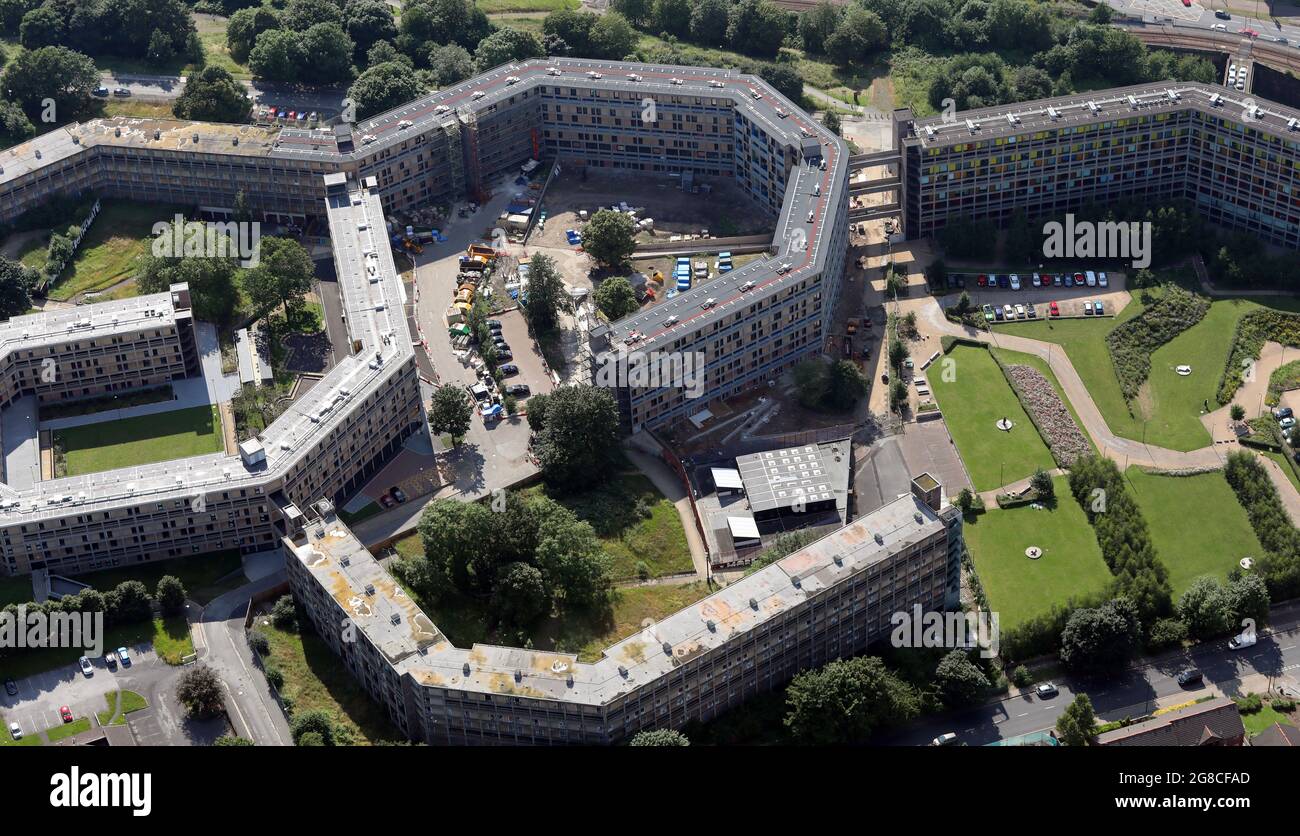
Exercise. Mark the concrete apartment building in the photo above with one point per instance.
(675, 121)
(1234, 157)
(830, 600)
(327, 444)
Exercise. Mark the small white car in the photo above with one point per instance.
(1102, 281)
(15, 732)
(1015, 282)
(946, 739)
(85, 666)
(1046, 690)
(1244, 640)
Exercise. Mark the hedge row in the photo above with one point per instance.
(1133, 342)
(1280, 565)
(1253, 330)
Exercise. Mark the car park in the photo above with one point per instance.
(1046, 690)
(124, 656)
(1189, 676)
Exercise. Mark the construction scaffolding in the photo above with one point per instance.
(455, 157)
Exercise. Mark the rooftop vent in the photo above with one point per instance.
(753, 603)
(713, 628)
(519, 675)
(1291, 124)
(972, 126)
(195, 137)
(917, 516)
(117, 132)
(668, 649)
(370, 589)
(798, 584)
(1132, 102)
(395, 618)
(929, 132)
(879, 538)
(568, 680)
(1013, 119)
(157, 134)
(622, 671)
(839, 559)
(1092, 106)
(345, 560)
(465, 669)
(1053, 114)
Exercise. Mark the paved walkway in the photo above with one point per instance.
(991, 497)
(1285, 489)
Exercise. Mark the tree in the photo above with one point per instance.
(659, 737)
(384, 87)
(327, 54)
(15, 127)
(784, 78)
(283, 275)
(1044, 488)
(579, 436)
(960, 681)
(170, 595)
(506, 45)
(636, 11)
(673, 17)
(16, 283)
(545, 293)
(831, 120)
(616, 297)
(315, 728)
(450, 412)
(161, 49)
(1249, 598)
(609, 237)
(817, 24)
(244, 27)
(572, 560)
(1075, 726)
(301, 15)
(859, 33)
(1206, 608)
(1237, 412)
(519, 596)
(128, 603)
(1101, 14)
(214, 292)
(232, 740)
(213, 95)
(966, 500)
(612, 37)
(1102, 637)
(571, 27)
(284, 615)
(277, 55)
(450, 64)
(756, 27)
(367, 23)
(845, 385)
(709, 22)
(41, 27)
(199, 690)
(51, 72)
(847, 701)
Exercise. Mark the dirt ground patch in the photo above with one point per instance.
(726, 210)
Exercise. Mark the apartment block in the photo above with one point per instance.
(830, 600)
(1234, 157)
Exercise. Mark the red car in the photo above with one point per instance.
(1250, 33)
(1187, 3)
(1053, 310)
(65, 713)
(1078, 279)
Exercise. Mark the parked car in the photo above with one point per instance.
(110, 659)
(15, 732)
(988, 313)
(946, 739)
(1036, 280)
(1091, 278)
(1032, 311)
(508, 368)
(494, 324)
(1008, 312)
(11, 687)
(1053, 309)
(1087, 309)
(397, 494)
(504, 354)
(122, 92)
(1287, 423)
(1004, 282)
(1102, 281)
(1222, 15)
(1046, 690)
(1015, 282)
(85, 666)
(1058, 280)
(1189, 676)
(387, 501)
(1280, 412)
(124, 656)
(982, 280)
(1020, 311)
(1078, 280)
(519, 390)
(1245, 639)
(65, 713)
(997, 314)
(1096, 308)
(101, 91)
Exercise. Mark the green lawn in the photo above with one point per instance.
(972, 403)
(178, 434)
(67, 730)
(314, 678)
(30, 737)
(1170, 405)
(658, 541)
(212, 32)
(113, 248)
(130, 701)
(493, 7)
(1257, 721)
(1220, 537)
(1019, 588)
(204, 576)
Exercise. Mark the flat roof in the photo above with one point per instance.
(810, 473)
(416, 647)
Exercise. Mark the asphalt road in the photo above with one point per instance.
(1198, 17)
(1130, 693)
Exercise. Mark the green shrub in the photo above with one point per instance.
(1021, 676)
(258, 641)
(1249, 704)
